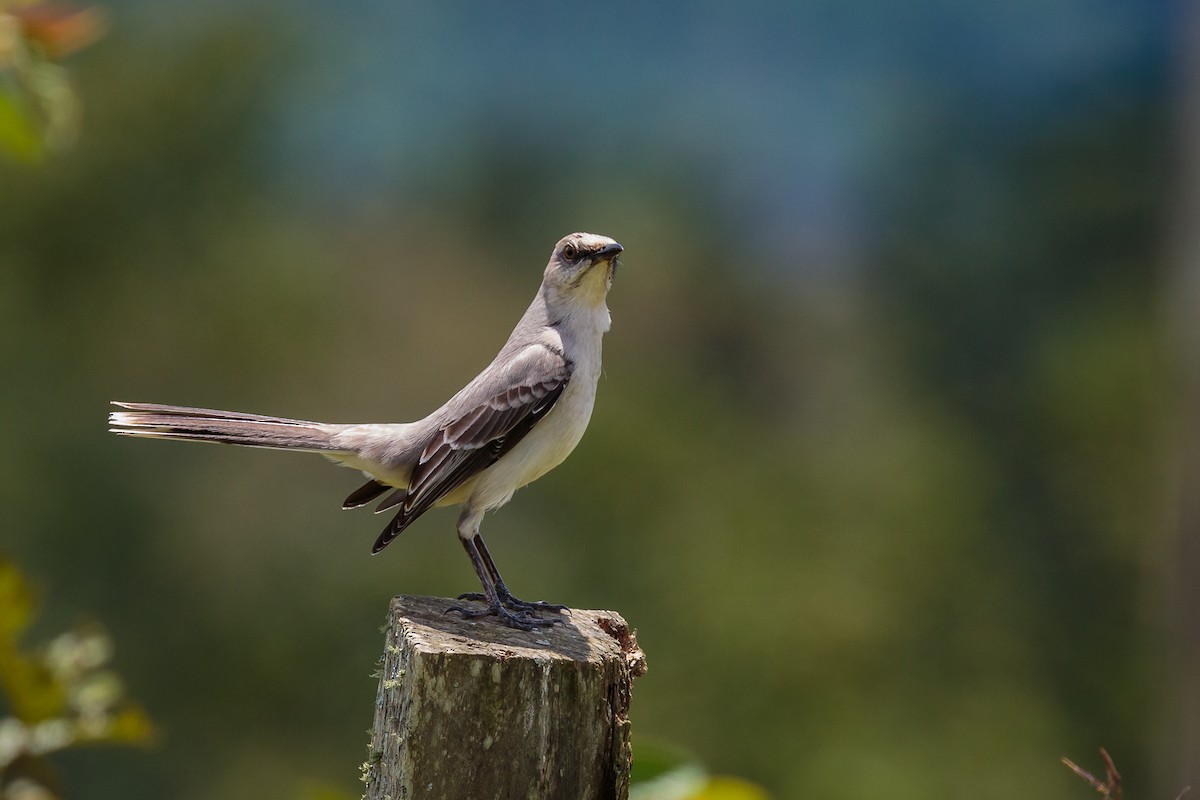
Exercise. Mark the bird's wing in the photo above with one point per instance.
(488, 418)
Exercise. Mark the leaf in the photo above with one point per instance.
(19, 134)
(130, 725)
(16, 597)
(654, 758)
(60, 30)
(664, 771)
(723, 788)
(32, 692)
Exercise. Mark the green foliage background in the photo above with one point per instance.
(889, 523)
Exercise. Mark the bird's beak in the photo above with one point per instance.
(609, 251)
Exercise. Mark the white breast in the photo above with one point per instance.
(555, 436)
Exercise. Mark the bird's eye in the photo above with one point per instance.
(570, 252)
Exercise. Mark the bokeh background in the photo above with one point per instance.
(892, 459)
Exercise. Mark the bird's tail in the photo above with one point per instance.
(156, 421)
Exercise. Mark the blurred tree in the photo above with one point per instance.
(880, 534)
(1019, 279)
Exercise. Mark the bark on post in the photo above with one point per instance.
(473, 709)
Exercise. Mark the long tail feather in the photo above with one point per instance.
(157, 421)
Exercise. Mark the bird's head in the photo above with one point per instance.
(581, 268)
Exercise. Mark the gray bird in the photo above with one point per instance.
(516, 421)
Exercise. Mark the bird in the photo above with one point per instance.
(514, 422)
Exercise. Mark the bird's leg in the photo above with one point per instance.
(506, 597)
(515, 618)
(485, 568)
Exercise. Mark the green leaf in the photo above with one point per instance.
(16, 597)
(19, 134)
(33, 693)
(653, 758)
(723, 788)
(664, 771)
(130, 725)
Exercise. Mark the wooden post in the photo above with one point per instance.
(474, 709)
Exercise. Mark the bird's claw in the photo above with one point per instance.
(516, 604)
(523, 619)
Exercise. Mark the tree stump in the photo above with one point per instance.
(474, 709)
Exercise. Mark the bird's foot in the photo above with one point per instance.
(516, 604)
(520, 618)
